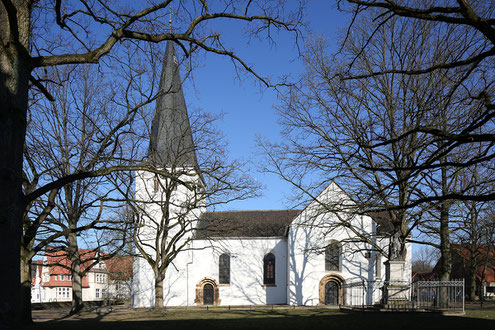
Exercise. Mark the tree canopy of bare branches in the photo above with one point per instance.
(467, 31)
(37, 35)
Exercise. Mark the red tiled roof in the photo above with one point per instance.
(119, 267)
(60, 264)
(461, 255)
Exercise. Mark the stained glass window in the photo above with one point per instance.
(269, 269)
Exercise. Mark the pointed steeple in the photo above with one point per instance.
(171, 142)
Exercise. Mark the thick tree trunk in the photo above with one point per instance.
(26, 258)
(14, 78)
(472, 278)
(158, 292)
(75, 259)
(446, 260)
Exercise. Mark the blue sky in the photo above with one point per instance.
(248, 108)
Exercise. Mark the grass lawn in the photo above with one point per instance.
(259, 318)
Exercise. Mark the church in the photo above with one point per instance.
(302, 257)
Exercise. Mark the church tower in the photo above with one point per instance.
(171, 142)
(169, 205)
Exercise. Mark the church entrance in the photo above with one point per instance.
(208, 294)
(331, 293)
(331, 290)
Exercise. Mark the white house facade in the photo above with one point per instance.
(295, 257)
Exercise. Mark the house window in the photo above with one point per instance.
(269, 269)
(63, 292)
(224, 269)
(103, 291)
(332, 257)
(62, 277)
(97, 293)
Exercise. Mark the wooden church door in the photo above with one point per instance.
(208, 294)
(331, 293)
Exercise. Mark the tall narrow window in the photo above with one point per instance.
(332, 256)
(224, 269)
(269, 269)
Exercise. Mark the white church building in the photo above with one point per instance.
(293, 257)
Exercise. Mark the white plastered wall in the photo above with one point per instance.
(310, 233)
(143, 275)
(246, 273)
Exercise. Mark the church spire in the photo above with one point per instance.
(171, 142)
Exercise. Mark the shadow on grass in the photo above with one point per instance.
(259, 319)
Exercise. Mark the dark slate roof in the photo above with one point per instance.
(171, 142)
(383, 221)
(246, 223)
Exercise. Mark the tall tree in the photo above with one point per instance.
(169, 210)
(335, 127)
(37, 36)
(91, 125)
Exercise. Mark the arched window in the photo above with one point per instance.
(332, 256)
(269, 269)
(224, 269)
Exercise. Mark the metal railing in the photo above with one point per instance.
(424, 295)
(439, 294)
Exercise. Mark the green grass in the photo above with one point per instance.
(259, 318)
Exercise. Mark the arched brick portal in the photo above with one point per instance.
(200, 289)
(338, 280)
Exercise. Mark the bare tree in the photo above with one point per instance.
(467, 28)
(35, 35)
(87, 127)
(170, 211)
(335, 128)
(473, 227)
(425, 259)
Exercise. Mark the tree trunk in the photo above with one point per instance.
(75, 259)
(159, 291)
(446, 259)
(472, 277)
(14, 77)
(25, 264)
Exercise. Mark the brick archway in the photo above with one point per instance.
(199, 291)
(331, 278)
